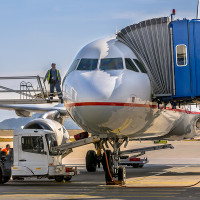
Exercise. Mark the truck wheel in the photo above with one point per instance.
(135, 165)
(59, 178)
(6, 179)
(122, 175)
(67, 178)
(1, 177)
(91, 161)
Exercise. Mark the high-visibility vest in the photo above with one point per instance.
(49, 76)
(5, 150)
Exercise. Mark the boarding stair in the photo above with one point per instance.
(24, 90)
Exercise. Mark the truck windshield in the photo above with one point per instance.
(111, 64)
(51, 142)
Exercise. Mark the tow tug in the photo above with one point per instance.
(36, 154)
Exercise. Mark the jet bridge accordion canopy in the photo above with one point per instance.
(170, 52)
(150, 41)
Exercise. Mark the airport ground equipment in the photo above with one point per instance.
(24, 90)
(134, 162)
(5, 167)
(36, 154)
(170, 53)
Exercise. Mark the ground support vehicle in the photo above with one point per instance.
(36, 154)
(134, 162)
(5, 167)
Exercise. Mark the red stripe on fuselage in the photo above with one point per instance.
(126, 105)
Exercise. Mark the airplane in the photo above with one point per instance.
(108, 93)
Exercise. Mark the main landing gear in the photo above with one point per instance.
(109, 159)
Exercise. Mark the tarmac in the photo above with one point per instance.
(170, 174)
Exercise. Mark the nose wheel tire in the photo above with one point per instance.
(122, 175)
(91, 161)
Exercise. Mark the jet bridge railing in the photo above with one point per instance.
(23, 90)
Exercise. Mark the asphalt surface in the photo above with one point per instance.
(170, 174)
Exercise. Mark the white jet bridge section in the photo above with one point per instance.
(23, 90)
(151, 42)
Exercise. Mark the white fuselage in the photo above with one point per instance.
(116, 102)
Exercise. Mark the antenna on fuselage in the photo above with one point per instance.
(198, 10)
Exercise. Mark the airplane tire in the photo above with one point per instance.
(59, 178)
(141, 166)
(91, 161)
(67, 178)
(122, 175)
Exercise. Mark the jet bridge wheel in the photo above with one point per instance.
(91, 161)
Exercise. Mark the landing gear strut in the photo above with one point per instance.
(111, 164)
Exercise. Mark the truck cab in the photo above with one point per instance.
(34, 155)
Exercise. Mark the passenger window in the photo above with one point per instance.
(87, 64)
(181, 55)
(111, 64)
(140, 66)
(73, 66)
(33, 144)
(130, 65)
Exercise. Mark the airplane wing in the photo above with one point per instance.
(27, 110)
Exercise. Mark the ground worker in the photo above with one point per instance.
(6, 150)
(54, 79)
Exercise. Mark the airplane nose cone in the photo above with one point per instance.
(93, 86)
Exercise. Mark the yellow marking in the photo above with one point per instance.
(38, 168)
(161, 173)
(160, 142)
(6, 139)
(77, 196)
(123, 126)
(15, 167)
(72, 139)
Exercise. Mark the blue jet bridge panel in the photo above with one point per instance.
(186, 48)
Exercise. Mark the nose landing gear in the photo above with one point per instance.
(109, 159)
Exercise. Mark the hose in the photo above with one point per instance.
(116, 183)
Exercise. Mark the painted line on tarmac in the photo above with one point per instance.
(158, 174)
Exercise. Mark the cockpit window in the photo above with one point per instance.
(73, 66)
(140, 66)
(87, 64)
(111, 64)
(130, 65)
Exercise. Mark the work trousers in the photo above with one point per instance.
(57, 86)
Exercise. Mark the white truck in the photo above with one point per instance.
(34, 156)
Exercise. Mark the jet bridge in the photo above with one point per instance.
(170, 52)
(23, 90)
